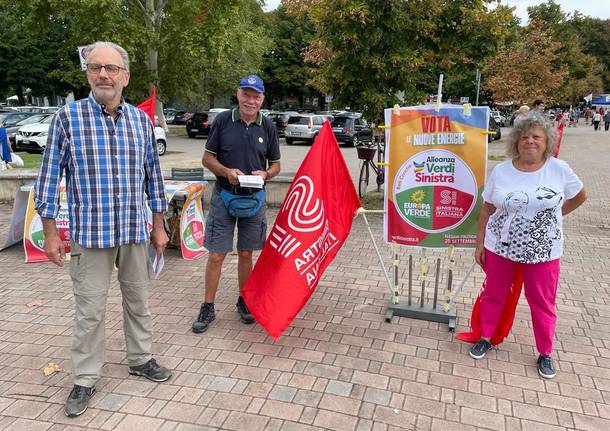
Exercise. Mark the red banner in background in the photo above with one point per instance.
(310, 228)
(148, 106)
(559, 139)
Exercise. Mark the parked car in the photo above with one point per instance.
(181, 117)
(161, 140)
(280, 119)
(198, 124)
(494, 127)
(351, 129)
(11, 131)
(8, 119)
(32, 138)
(304, 127)
(497, 116)
(170, 114)
(213, 113)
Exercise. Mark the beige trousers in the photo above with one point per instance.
(91, 270)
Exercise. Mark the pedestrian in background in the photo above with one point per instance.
(521, 228)
(242, 141)
(538, 106)
(607, 120)
(597, 118)
(105, 148)
(521, 113)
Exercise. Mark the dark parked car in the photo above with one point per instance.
(198, 125)
(494, 127)
(351, 129)
(181, 117)
(280, 119)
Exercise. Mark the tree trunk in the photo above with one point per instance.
(154, 24)
(19, 91)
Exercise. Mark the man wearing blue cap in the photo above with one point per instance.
(241, 142)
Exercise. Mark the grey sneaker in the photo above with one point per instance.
(205, 317)
(78, 400)
(244, 313)
(478, 350)
(152, 371)
(546, 368)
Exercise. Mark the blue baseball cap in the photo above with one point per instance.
(253, 82)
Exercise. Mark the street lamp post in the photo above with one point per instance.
(478, 77)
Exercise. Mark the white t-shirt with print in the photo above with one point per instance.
(527, 224)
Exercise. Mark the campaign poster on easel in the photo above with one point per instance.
(436, 170)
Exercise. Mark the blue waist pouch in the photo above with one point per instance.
(243, 206)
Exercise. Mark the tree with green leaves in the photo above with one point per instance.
(527, 70)
(28, 53)
(285, 72)
(191, 49)
(584, 72)
(367, 51)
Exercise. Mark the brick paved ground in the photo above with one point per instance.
(340, 366)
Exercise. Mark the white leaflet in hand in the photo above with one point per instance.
(253, 181)
(157, 262)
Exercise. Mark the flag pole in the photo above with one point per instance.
(363, 213)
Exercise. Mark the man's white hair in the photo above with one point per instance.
(124, 56)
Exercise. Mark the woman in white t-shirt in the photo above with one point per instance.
(520, 226)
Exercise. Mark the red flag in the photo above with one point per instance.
(310, 228)
(506, 319)
(148, 106)
(559, 139)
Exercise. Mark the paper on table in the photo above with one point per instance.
(254, 181)
(157, 262)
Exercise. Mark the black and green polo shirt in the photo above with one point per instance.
(237, 145)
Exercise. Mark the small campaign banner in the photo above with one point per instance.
(82, 57)
(33, 235)
(192, 223)
(436, 173)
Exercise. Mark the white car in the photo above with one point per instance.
(161, 140)
(33, 137)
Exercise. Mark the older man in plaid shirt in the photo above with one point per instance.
(106, 150)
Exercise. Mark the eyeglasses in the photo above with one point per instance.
(111, 69)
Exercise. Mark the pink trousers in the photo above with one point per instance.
(540, 282)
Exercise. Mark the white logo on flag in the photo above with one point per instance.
(283, 242)
(304, 215)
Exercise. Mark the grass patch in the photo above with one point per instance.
(30, 161)
(176, 130)
(372, 201)
(492, 157)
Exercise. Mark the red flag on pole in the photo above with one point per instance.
(559, 139)
(148, 106)
(310, 228)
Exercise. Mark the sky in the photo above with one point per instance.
(594, 8)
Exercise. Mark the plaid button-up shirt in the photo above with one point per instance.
(111, 169)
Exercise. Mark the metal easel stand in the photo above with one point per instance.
(422, 310)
